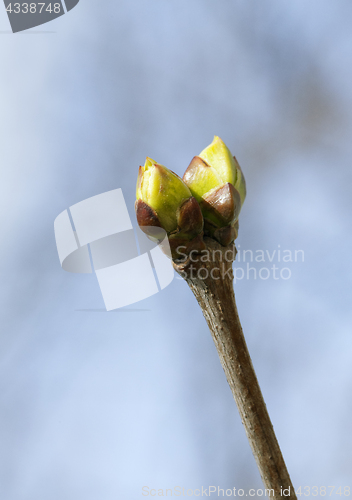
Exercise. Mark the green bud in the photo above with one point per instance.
(216, 180)
(201, 178)
(219, 157)
(164, 200)
(163, 191)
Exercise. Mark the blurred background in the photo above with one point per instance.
(96, 405)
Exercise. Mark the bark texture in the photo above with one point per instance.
(211, 283)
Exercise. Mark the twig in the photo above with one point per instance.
(211, 283)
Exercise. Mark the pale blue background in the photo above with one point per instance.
(96, 405)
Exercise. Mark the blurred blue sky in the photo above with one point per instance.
(96, 405)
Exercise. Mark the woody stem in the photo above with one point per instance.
(211, 283)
